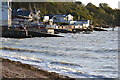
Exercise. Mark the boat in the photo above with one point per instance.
(62, 31)
(86, 32)
(98, 29)
(12, 33)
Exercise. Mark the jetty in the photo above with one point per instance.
(12, 33)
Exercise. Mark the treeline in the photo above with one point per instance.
(102, 15)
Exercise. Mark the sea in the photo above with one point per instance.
(76, 55)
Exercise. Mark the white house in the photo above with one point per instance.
(69, 17)
(5, 13)
(46, 18)
(58, 18)
(84, 23)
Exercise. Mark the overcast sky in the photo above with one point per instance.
(112, 3)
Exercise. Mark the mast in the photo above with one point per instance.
(31, 14)
(9, 12)
(37, 14)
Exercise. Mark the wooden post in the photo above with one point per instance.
(26, 31)
(113, 28)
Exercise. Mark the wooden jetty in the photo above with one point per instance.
(61, 31)
(11, 33)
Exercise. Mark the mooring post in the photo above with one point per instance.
(113, 28)
(26, 31)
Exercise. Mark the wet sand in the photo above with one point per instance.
(13, 69)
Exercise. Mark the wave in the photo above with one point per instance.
(107, 50)
(66, 64)
(100, 50)
(42, 51)
(25, 58)
(23, 50)
(72, 71)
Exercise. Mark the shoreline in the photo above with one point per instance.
(16, 69)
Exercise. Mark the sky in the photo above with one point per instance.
(112, 3)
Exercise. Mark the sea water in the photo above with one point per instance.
(77, 55)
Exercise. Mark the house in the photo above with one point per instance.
(5, 13)
(46, 19)
(69, 17)
(84, 23)
(58, 18)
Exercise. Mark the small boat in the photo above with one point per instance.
(61, 31)
(98, 29)
(86, 32)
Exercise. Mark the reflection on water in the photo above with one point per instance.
(76, 55)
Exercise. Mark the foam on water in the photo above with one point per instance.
(92, 55)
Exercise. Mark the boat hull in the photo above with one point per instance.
(22, 34)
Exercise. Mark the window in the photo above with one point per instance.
(2, 10)
(4, 3)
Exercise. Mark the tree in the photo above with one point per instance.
(103, 14)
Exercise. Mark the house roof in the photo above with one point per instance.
(56, 15)
(82, 20)
(20, 12)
